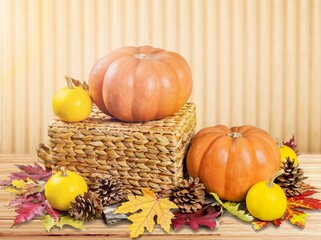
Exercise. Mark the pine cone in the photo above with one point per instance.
(292, 179)
(109, 191)
(87, 207)
(189, 195)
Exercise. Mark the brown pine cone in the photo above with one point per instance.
(109, 191)
(292, 181)
(189, 195)
(86, 207)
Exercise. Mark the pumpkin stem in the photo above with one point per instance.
(63, 172)
(141, 56)
(234, 134)
(279, 142)
(69, 82)
(274, 176)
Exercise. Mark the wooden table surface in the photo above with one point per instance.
(230, 227)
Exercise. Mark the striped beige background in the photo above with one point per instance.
(253, 61)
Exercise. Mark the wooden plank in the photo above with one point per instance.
(230, 227)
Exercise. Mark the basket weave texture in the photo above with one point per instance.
(142, 155)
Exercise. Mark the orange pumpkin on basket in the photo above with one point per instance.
(140, 83)
(229, 161)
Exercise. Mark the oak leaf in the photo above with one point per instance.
(204, 217)
(48, 222)
(30, 206)
(27, 187)
(144, 209)
(234, 209)
(292, 144)
(27, 211)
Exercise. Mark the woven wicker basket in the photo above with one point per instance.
(149, 154)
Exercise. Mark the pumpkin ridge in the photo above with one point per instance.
(136, 85)
(169, 56)
(237, 144)
(273, 153)
(204, 153)
(114, 109)
(154, 63)
(177, 77)
(209, 148)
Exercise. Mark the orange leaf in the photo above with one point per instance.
(257, 225)
(302, 201)
(296, 217)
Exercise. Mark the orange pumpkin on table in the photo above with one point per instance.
(229, 161)
(140, 83)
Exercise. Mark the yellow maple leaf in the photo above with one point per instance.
(27, 187)
(17, 185)
(150, 205)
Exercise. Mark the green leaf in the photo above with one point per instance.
(48, 222)
(233, 208)
(68, 220)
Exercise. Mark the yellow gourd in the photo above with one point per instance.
(287, 152)
(266, 200)
(62, 188)
(71, 103)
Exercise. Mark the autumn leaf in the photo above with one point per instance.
(30, 206)
(27, 211)
(233, 208)
(292, 144)
(83, 84)
(149, 205)
(203, 217)
(27, 187)
(48, 222)
(258, 224)
(52, 212)
(301, 201)
(34, 173)
(296, 216)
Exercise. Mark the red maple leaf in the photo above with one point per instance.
(292, 144)
(27, 211)
(293, 212)
(52, 212)
(301, 201)
(203, 217)
(31, 205)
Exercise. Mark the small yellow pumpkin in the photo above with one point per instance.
(287, 152)
(266, 200)
(62, 188)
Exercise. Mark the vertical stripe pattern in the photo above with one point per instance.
(253, 62)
